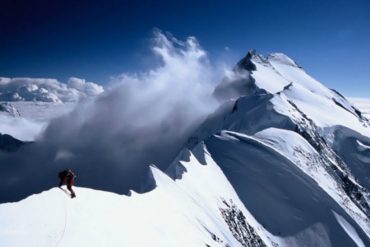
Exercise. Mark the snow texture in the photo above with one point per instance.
(362, 104)
(284, 161)
(183, 212)
(278, 194)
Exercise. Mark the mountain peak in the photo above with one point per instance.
(252, 57)
(282, 58)
(246, 63)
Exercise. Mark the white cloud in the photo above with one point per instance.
(20, 128)
(47, 90)
(145, 118)
(89, 88)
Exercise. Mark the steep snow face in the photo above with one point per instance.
(300, 152)
(285, 163)
(314, 129)
(354, 149)
(323, 111)
(280, 195)
(282, 59)
(287, 69)
(200, 209)
(278, 74)
(362, 104)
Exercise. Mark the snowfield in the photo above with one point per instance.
(284, 161)
(362, 104)
(185, 212)
(194, 210)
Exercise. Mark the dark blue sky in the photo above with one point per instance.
(97, 39)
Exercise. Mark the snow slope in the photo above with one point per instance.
(278, 194)
(313, 128)
(195, 205)
(279, 77)
(185, 212)
(305, 157)
(362, 104)
(284, 161)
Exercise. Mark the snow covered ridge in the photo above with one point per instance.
(274, 100)
(200, 209)
(204, 199)
(362, 104)
(284, 161)
(278, 74)
(9, 143)
(47, 90)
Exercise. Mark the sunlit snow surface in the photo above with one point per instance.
(293, 84)
(362, 104)
(283, 166)
(184, 212)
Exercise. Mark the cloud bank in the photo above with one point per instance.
(47, 90)
(144, 118)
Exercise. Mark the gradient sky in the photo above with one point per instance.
(97, 39)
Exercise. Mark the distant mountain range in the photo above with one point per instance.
(47, 90)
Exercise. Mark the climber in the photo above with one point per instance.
(67, 177)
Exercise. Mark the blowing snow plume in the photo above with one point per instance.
(144, 118)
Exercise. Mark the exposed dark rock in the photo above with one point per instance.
(238, 225)
(9, 143)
